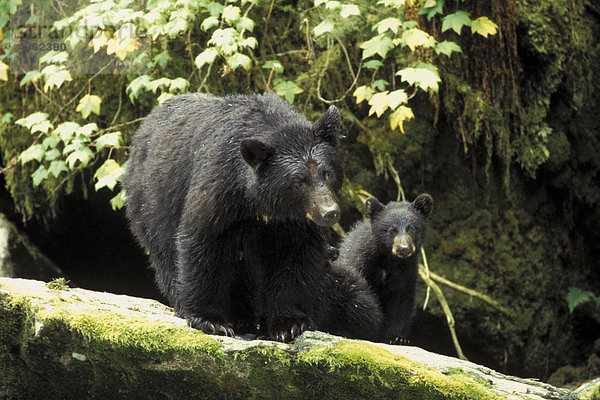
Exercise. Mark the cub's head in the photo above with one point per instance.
(400, 226)
(297, 172)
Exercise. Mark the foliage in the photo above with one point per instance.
(576, 297)
(72, 130)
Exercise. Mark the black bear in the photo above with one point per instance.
(230, 196)
(384, 249)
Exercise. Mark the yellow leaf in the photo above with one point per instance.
(3, 73)
(484, 26)
(99, 40)
(89, 104)
(378, 103)
(415, 37)
(121, 49)
(362, 93)
(398, 117)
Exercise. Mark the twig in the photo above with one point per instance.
(428, 291)
(470, 292)
(449, 318)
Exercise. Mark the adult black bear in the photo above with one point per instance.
(230, 195)
(384, 249)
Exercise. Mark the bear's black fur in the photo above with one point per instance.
(230, 195)
(384, 249)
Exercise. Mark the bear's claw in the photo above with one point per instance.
(291, 334)
(211, 328)
(398, 340)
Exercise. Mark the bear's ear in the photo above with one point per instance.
(328, 126)
(373, 207)
(424, 204)
(255, 152)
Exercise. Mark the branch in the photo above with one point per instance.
(449, 318)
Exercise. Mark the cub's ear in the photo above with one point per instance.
(424, 204)
(373, 207)
(328, 126)
(255, 152)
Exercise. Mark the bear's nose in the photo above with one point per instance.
(331, 215)
(403, 246)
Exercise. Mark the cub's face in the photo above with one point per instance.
(299, 174)
(400, 227)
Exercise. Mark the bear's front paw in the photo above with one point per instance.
(397, 340)
(288, 335)
(211, 328)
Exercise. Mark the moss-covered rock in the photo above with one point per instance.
(65, 343)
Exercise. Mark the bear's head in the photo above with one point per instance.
(399, 227)
(297, 172)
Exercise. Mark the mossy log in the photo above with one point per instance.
(58, 342)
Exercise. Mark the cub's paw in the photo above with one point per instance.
(288, 335)
(397, 340)
(211, 328)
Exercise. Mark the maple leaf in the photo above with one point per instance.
(363, 93)
(447, 47)
(379, 44)
(483, 26)
(456, 21)
(379, 103)
(398, 117)
(416, 37)
(99, 40)
(89, 104)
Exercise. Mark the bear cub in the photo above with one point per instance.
(384, 249)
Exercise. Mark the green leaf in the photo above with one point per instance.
(30, 76)
(332, 5)
(176, 26)
(57, 166)
(32, 119)
(180, 84)
(231, 13)
(483, 26)
(206, 57)
(319, 2)
(162, 58)
(392, 24)
(82, 154)
(136, 86)
(424, 76)
(43, 127)
(87, 130)
(108, 175)
(54, 57)
(379, 44)
(456, 21)
(223, 37)
(50, 142)
(56, 79)
(33, 152)
(119, 200)
(447, 47)
(273, 64)
(215, 9)
(349, 10)
(245, 23)
(576, 297)
(6, 118)
(324, 27)
(108, 140)
(239, 60)
(66, 130)
(209, 23)
(379, 84)
(39, 175)
(287, 89)
(89, 104)
(398, 117)
(52, 154)
(432, 11)
(372, 64)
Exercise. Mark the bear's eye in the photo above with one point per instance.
(392, 230)
(301, 180)
(326, 175)
(410, 230)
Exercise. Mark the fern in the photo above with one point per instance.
(576, 296)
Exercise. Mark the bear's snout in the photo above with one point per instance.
(323, 208)
(403, 246)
